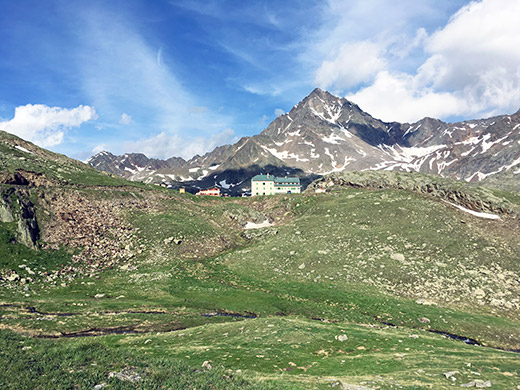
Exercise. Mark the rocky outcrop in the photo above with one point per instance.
(15, 206)
(474, 198)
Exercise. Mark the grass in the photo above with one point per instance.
(33, 262)
(348, 263)
(34, 364)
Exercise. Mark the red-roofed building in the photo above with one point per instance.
(210, 192)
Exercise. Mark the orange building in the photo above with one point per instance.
(210, 192)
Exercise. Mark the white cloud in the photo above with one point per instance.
(353, 64)
(99, 148)
(278, 112)
(472, 69)
(44, 125)
(125, 119)
(393, 97)
(164, 145)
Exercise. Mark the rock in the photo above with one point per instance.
(341, 337)
(100, 386)
(126, 375)
(207, 365)
(346, 386)
(13, 277)
(423, 320)
(450, 374)
(97, 296)
(425, 302)
(168, 240)
(413, 336)
(397, 257)
(177, 241)
(479, 293)
(301, 266)
(477, 383)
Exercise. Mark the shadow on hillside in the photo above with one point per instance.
(234, 181)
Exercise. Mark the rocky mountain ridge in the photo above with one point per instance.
(324, 134)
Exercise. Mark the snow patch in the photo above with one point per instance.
(225, 185)
(252, 225)
(475, 213)
(22, 149)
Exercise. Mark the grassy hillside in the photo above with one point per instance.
(356, 288)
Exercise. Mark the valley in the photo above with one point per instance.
(378, 283)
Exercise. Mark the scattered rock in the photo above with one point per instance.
(450, 374)
(477, 383)
(397, 257)
(346, 386)
(301, 266)
(126, 375)
(207, 365)
(13, 277)
(341, 337)
(425, 302)
(423, 320)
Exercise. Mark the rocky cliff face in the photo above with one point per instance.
(324, 134)
(16, 207)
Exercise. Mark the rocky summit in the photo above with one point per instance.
(324, 134)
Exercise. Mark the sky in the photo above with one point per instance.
(178, 78)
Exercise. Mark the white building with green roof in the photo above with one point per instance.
(271, 185)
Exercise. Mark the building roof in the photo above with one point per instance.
(283, 180)
(277, 180)
(263, 178)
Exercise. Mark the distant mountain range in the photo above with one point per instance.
(325, 133)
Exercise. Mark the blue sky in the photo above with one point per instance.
(176, 78)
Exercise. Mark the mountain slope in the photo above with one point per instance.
(377, 283)
(324, 134)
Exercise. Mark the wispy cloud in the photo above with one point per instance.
(46, 126)
(120, 70)
(125, 119)
(164, 145)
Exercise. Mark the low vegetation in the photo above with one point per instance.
(362, 287)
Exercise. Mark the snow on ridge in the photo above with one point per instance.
(22, 149)
(284, 155)
(332, 139)
(475, 213)
(480, 176)
(335, 167)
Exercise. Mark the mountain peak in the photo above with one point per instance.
(317, 92)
